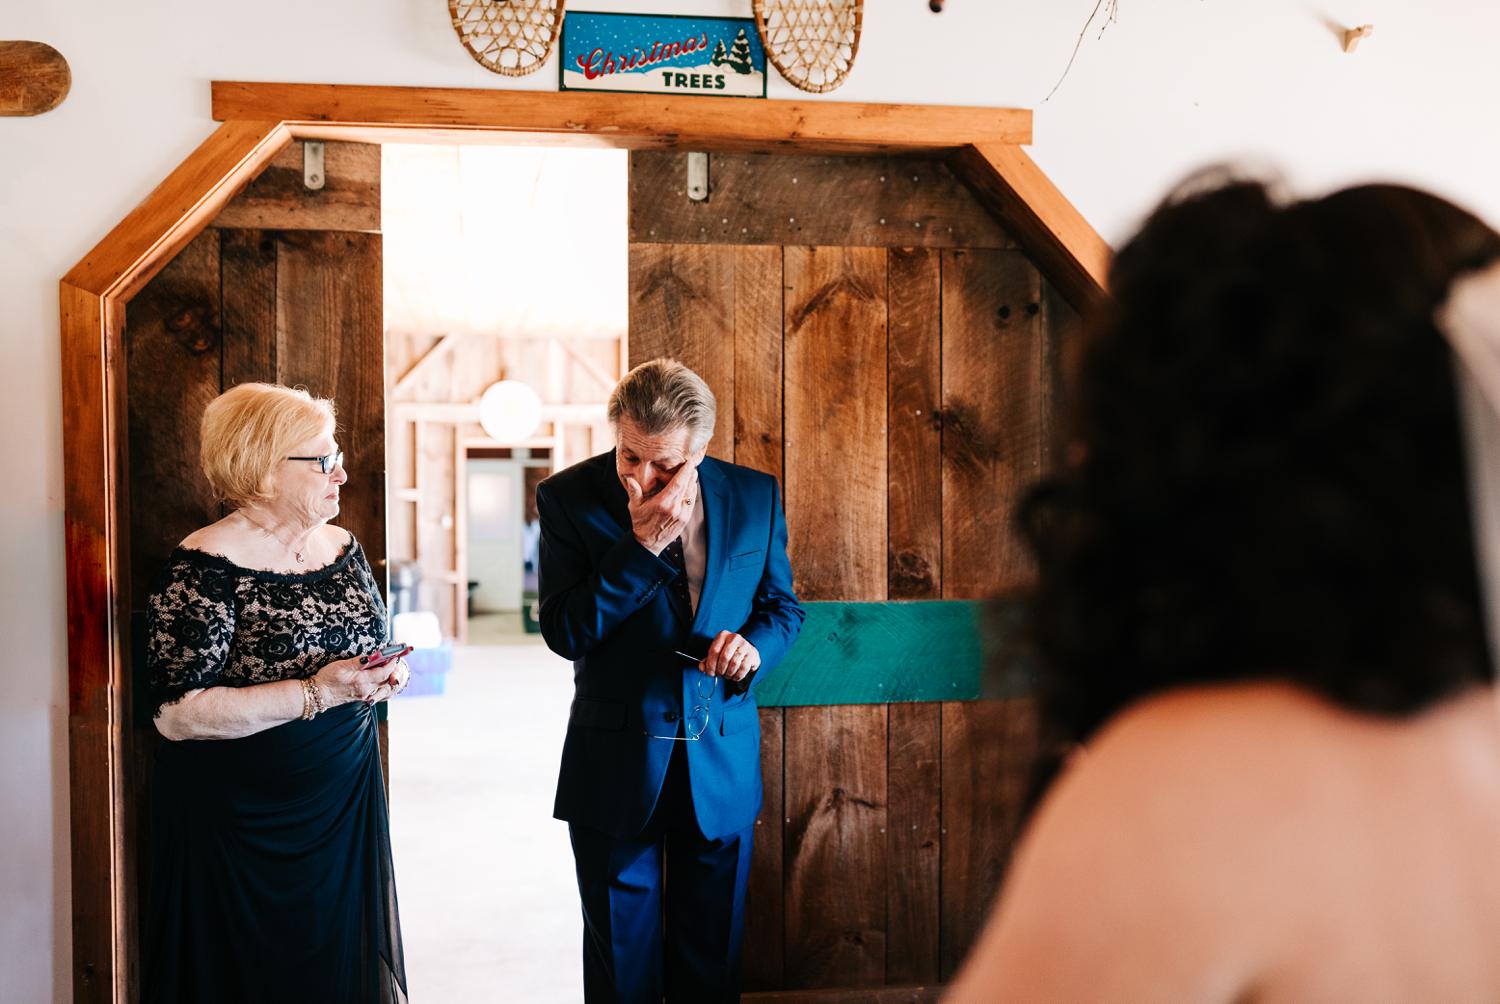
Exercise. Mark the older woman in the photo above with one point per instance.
(271, 872)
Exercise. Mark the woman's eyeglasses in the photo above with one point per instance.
(327, 463)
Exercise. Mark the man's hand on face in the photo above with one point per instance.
(730, 656)
(658, 520)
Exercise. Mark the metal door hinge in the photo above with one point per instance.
(697, 177)
(312, 165)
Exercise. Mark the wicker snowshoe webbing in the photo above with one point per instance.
(811, 42)
(513, 37)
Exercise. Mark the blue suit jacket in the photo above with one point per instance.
(605, 605)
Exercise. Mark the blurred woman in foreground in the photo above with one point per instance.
(1260, 610)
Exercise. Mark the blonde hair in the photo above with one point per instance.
(663, 394)
(249, 429)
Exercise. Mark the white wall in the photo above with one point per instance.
(1171, 85)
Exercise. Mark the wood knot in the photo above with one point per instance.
(965, 442)
(911, 575)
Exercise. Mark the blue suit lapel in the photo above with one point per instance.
(716, 526)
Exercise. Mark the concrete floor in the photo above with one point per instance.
(489, 902)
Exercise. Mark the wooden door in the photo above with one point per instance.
(285, 287)
(878, 342)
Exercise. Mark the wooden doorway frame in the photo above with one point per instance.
(982, 145)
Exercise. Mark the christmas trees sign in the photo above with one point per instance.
(739, 58)
(656, 53)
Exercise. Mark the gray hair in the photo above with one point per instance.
(661, 395)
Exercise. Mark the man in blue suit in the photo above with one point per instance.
(664, 577)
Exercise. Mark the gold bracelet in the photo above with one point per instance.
(307, 701)
(317, 697)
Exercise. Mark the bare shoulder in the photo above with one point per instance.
(1188, 767)
(224, 537)
(1207, 831)
(1206, 768)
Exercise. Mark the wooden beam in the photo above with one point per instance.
(878, 653)
(534, 443)
(529, 335)
(34, 78)
(626, 119)
(1061, 242)
(785, 198)
(279, 199)
(589, 366)
(96, 547)
(452, 136)
(178, 209)
(439, 411)
(434, 351)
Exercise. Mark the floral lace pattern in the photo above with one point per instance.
(212, 623)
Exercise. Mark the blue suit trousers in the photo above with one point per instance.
(663, 912)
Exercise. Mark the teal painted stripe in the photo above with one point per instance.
(877, 653)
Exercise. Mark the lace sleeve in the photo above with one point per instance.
(189, 626)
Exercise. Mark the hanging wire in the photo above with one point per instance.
(1111, 14)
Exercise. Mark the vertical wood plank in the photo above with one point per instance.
(913, 843)
(835, 349)
(757, 359)
(249, 305)
(682, 306)
(756, 420)
(765, 902)
(915, 425)
(461, 537)
(988, 748)
(1063, 332)
(173, 351)
(434, 470)
(993, 385)
(330, 338)
(400, 450)
(580, 441)
(835, 847)
(172, 345)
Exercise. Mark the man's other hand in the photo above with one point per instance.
(731, 657)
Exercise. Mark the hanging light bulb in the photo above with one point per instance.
(510, 411)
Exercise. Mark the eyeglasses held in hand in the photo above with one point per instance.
(327, 463)
(692, 724)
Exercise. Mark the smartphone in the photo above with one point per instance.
(394, 650)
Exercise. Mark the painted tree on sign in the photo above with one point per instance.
(739, 55)
(719, 58)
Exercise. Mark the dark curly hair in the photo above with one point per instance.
(1266, 476)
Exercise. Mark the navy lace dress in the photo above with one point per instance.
(271, 875)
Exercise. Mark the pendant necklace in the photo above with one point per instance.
(296, 552)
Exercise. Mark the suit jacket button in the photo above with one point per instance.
(670, 716)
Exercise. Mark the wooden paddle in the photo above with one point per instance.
(34, 78)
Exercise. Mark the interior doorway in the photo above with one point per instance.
(505, 281)
(260, 121)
